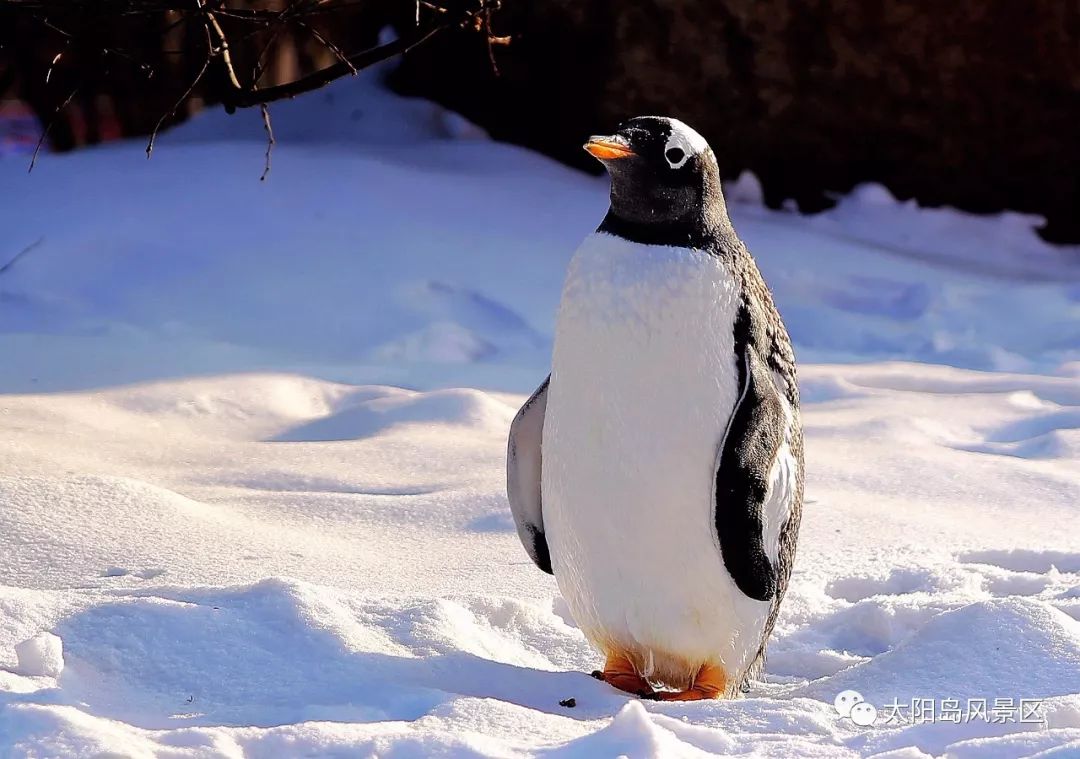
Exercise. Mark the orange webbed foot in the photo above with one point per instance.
(711, 682)
(620, 673)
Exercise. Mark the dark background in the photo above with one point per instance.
(967, 103)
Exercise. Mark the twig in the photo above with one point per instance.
(44, 21)
(261, 61)
(333, 48)
(55, 60)
(269, 139)
(20, 254)
(223, 48)
(191, 87)
(244, 24)
(323, 77)
(172, 111)
(49, 126)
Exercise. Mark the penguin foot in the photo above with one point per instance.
(682, 695)
(620, 673)
(711, 682)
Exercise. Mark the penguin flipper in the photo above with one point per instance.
(744, 462)
(523, 457)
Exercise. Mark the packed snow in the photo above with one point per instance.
(253, 435)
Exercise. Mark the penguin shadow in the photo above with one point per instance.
(253, 657)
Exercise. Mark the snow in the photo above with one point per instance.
(251, 469)
(40, 656)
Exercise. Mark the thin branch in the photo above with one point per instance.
(333, 48)
(7, 267)
(54, 27)
(269, 139)
(245, 24)
(172, 111)
(323, 77)
(191, 87)
(55, 60)
(49, 126)
(69, 37)
(261, 60)
(223, 49)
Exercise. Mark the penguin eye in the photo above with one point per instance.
(675, 156)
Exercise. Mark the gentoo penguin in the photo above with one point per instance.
(658, 471)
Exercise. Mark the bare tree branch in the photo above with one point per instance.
(48, 128)
(269, 139)
(222, 49)
(230, 28)
(194, 82)
(330, 45)
(55, 60)
(351, 64)
(7, 267)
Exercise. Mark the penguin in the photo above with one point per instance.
(658, 471)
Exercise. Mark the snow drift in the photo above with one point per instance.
(251, 485)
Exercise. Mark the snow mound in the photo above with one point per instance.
(252, 540)
(900, 581)
(40, 656)
(1016, 645)
(1027, 560)
(745, 190)
(38, 515)
(283, 652)
(632, 733)
(348, 112)
(872, 214)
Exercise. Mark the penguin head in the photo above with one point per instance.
(662, 172)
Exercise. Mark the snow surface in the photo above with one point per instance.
(40, 656)
(251, 461)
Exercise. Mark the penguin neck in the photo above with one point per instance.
(706, 229)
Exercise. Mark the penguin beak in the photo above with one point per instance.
(608, 148)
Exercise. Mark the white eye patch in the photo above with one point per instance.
(683, 144)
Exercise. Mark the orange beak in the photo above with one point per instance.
(608, 148)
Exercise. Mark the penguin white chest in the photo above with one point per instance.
(644, 381)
